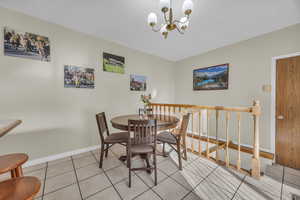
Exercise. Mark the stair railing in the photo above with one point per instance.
(205, 140)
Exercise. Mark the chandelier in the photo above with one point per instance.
(170, 23)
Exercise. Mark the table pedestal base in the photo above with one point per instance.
(143, 157)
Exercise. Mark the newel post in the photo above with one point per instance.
(256, 112)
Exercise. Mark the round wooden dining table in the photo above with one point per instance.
(164, 122)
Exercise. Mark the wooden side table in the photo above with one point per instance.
(13, 163)
(18, 187)
(22, 188)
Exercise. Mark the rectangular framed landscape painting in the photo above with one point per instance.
(79, 77)
(138, 83)
(113, 63)
(211, 78)
(26, 45)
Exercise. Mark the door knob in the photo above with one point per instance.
(280, 117)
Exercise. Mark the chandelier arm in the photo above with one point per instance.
(166, 19)
(181, 32)
(179, 22)
(157, 30)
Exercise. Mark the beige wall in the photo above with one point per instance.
(250, 69)
(57, 119)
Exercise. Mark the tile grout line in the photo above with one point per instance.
(108, 178)
(122, 164)
(238, 187)
(199, 183)
(64, 187)
(35, 170)
(225, 189)
(170, 176)
(77, 181)
(219, 189)
(179, 171)
(167, 176)
(43, 192)
(223, 178)
(60, 175)
(66, 171)
(115, 156)
(113, 185)
(87, 197)
(149, 187)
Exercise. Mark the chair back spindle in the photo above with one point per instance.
(143, 132)
(184, 124)
(145, 111)
(183, 133)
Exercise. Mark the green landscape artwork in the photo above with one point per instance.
(113, 63)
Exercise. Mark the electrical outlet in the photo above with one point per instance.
(267, 88)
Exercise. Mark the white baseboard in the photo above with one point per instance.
(59, 156)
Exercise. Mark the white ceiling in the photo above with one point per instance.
(214, 23)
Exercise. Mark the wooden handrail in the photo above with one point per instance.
(186, 106)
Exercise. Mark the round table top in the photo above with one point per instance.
(164, 122)
(12, 161)
(19, 188)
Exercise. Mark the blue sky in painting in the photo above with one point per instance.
(211, 70)
(138, 78)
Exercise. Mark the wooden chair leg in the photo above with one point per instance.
(164, 150)
(184, 148)
(129, 168)
(106, 152)
(153, 159)
(147, 161)
(127, 157)
(179, 155)
(101, 156)
(155, 168)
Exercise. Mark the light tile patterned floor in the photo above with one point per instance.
(79, 177)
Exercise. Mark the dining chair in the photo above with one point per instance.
(142, 142)
(175, 137)
(110, 139)
(147, 110)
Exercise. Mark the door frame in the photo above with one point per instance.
(273, 99)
